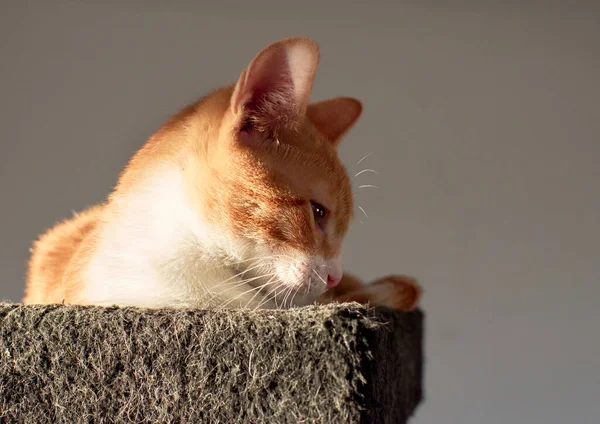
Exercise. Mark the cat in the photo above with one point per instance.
(239, 200)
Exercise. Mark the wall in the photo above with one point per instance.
(482, 119)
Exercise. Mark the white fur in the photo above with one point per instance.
(156, 251)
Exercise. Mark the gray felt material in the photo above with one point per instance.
(318, 364)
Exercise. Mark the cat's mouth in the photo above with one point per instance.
(284, 282)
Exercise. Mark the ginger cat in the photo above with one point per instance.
(239, 200)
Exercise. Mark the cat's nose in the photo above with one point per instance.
(335, 273)
(333, 280)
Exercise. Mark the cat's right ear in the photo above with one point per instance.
(273, 91)
(334, 117)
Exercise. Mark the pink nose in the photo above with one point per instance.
(333, 280)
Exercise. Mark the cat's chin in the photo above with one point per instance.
(288, 296)
(284, 292)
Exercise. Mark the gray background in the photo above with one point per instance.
(482, 119)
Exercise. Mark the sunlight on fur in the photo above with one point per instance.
(238, 200)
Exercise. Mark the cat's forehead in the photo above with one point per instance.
(316, 173)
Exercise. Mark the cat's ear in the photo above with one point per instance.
(334, 117)
(273, 90)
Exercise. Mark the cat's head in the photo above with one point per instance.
(278, 189)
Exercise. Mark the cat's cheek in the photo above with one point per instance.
(292, 271)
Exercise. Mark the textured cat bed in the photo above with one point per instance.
(326, 364)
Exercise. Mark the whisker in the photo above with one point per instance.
(363, 211)
(368, 185)
(247, 291)
(276, 293)
(268, 283)
(260, 258)
(293, 297)
(228, 264)
(366, 170)
(309, 282)
(284, 295)
(321, 278)
(238, 274)
(288, 292)
(254, 266)
(368, 154)
(293, 293)
(283, 290)
(266, 300)
(234, 284)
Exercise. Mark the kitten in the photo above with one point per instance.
(238, 200)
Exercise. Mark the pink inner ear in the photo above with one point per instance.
(273, 91)
(267, 94)
(249, 137)
(269, 74)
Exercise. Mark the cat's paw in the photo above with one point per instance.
(398, 292)
(395, 291)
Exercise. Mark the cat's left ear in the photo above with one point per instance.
(334, 117)
(273, 91)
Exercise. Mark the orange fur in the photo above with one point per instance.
(394, 291)
(51, 255)
(245, 163)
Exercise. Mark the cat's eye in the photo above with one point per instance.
(319, 212)
(246, 125)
